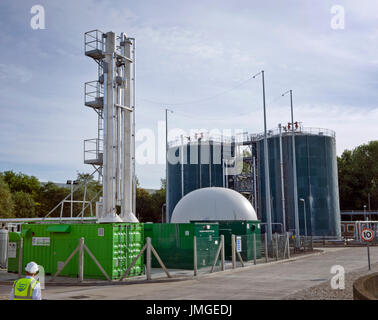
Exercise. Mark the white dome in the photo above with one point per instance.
(213, 204)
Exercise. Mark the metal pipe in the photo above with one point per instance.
(282, 181)
(266, 164)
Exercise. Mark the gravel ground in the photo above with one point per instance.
(324, 291)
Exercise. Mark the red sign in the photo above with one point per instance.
(367, 234)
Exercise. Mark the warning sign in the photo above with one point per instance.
(367, 234)
(12, 249)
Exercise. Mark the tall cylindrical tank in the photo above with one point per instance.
(318, 194)
(3, 247)
(194, 165)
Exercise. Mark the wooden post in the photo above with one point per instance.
(266, 247)
(148, 259)
(222, 253)
(20, 257)
(97, 263)
(81, 260)
(254, 249)
(195, 255)
(133, 263)
(65, 263)
(233, 251)
(216, 257)
(160, 261)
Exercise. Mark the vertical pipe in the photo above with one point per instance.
(233, 248)
(195, 255)
(148, 259)
(133, 133)
(266, 167)
(276, 238)
(81, 260)
(222, 253)
(167, 208)
(254, 249)
(20, 254)
(288, 245)
(282, 182)
(254, 184)
(266, 247)
(108, 174)
(296, 214)
(182, 165)
(71, 208)
(127, 174)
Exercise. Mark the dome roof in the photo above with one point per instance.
(213, 204)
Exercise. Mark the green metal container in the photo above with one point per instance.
(174, 243)
(244, 231)
(13, 251)
(114, 245)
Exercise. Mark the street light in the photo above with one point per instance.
(266, 164)
(295, 191)
(71, 182)
(304, 215)
(166, 164)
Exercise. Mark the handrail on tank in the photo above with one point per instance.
(245, 136)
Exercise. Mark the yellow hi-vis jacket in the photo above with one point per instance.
(23, 288)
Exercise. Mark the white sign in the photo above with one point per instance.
(238, 244)
(367, 234)
(100, 232)
(41, 241)
(12, 249)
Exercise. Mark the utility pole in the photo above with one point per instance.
(295, 187)
(266, 165)
(167, 208)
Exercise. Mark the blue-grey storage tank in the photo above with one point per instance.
(193, 165)
(316, 179)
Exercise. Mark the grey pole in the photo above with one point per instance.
(304, 216)
(295, 188)
(166, 165)
(266, 166)
(282, 182)
(195, 255)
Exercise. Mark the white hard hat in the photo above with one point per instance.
(31, 267)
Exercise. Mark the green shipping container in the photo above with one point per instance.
(13, 251)
(174, 243)
(244, 231)
(114, 245)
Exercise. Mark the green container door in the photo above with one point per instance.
(13, 251)
(245, 230)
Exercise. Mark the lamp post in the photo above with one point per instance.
(266, 164)
(304, 215)
(71, 182)
(295, 188)
(166, 165)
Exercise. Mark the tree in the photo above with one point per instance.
(24, 205)
(21, 182)
(6, 202)
(358, 177)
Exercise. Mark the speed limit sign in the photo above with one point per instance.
(367, 234)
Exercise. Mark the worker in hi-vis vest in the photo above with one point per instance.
(27, 288)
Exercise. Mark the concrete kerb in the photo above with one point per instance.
(175, 278)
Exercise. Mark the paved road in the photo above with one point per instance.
(272, 281)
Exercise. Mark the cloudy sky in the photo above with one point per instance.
(196, 58)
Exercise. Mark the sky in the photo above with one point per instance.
(194, 57)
